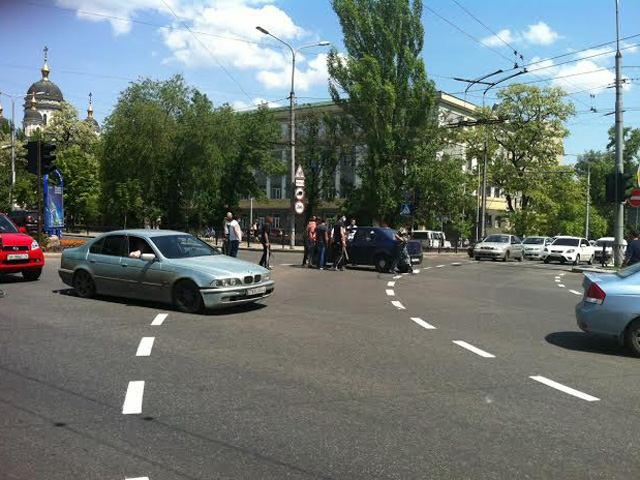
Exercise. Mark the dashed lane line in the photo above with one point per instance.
(575, 292)
(133, 398)
(396, 277)
(137, 478)
(564, 388)
(439, 266)
(160, 318)
(561, 285)
(557, 280)
(145, 346)
(422, 323)
(473, 349)
(398, 305)
(456, 264)
(390, 292)
(391, 284)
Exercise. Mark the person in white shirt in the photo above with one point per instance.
(234, 234)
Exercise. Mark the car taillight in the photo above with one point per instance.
(595, 294)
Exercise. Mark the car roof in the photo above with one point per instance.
(145, 232)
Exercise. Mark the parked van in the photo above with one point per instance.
(431, 238)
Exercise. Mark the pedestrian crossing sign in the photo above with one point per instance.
(405, 209)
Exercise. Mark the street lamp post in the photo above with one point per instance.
(12, 186)
(292, 124)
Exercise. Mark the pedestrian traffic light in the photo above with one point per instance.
(48, 158)
(619, 186)
(32, 157)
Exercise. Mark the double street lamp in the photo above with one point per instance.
(292, 121)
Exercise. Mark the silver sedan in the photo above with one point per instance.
(164, 266)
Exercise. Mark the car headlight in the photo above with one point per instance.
(227, 282)
(34, 245)
(266, 277)
(571, 250)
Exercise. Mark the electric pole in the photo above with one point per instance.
(619, 211)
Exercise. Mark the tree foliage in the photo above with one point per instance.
(168, 154)
(382, 85)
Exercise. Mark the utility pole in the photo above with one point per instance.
(40, 191)
(619, 211)
(588, 197)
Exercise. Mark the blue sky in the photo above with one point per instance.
(94, 48)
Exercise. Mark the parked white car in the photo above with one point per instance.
(569, 249)
(499, 246)
(534, 247)
(606, 244)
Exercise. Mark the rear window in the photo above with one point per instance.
(604, 243)
(421, 235)
(568, 242)
(7, 226)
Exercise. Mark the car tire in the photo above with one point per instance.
(31, 275)
(477, 259)
(577, 260)
(83, 284)
(546, 260)
(520, 257)
(381, 263)
(506, 256)
(562, 260)
(187, 297)
(632, 337)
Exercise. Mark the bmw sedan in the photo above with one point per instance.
(165, 266)
(611, 306)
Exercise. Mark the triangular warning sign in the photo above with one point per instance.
(299, 173)
(405, 210)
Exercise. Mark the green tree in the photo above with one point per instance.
(382, 85)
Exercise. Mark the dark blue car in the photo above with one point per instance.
(377, 246)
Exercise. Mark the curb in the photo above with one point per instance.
(592, 270)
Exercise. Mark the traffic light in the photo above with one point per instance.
(32, 157)
(619, 186)
(48, 158)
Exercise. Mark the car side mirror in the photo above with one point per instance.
(22, 229)
(148, 257)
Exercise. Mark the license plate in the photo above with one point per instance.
(256, 291)
(17, 256)
(415, 260)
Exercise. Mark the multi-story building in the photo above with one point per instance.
(276, 201)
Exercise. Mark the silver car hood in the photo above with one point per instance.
(219, 265)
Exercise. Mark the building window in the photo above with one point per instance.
(276, 221)
(276, 192)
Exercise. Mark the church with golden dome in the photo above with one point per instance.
(44, 100)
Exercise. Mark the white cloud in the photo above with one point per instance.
(240, 105)
(588, 75)
(223, 34)
(498, 40)
(540, 34)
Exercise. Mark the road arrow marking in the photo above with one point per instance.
(133, 398)
(473, 349)
(564, 388)
(423, 324)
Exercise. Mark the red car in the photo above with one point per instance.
(19, 253)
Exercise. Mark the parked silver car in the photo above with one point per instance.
(500, 246)
(164, 266)
(534, 247)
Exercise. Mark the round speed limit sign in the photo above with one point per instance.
(299, 207)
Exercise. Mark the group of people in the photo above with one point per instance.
(321, 239)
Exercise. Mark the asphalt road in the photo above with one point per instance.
(330, 380)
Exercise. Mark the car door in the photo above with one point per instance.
(359, 247)
(144, 279)
(104, 261)
(586, 250)
(517, 249)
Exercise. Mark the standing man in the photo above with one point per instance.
(265, 239)
(310, 241)
(632, 255)
(322, 239)
(234, 235)
(339, 237)
(351, 230)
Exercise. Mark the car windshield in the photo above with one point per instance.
(183, 246)
(604, 243)
(534, 241)
(569, 242)
(421, 235)
(630, 270)
(6, 226)
(497, 239)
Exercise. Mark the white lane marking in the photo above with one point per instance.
(557, 279)
(391, 284)
(417, 270)
(397, 277)
(564, 388)
(439, 266)
(133, 398)
(160, 318)
(561, 285)
(456, 264)
(562, 274)
(423, 324)
(145, 346)
(425, 268)
(137, 478)
(287, 264)
(473, 349)
(390, 292)
(398, 305)
(575, 292)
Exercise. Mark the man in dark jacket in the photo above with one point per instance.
(632, 255)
